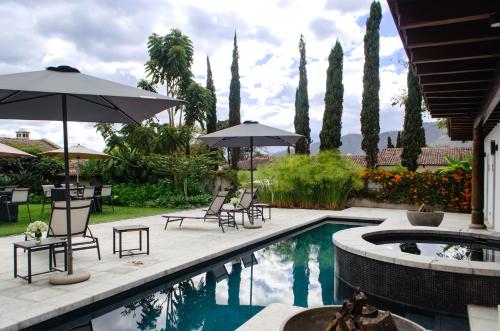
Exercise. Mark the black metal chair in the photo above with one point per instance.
(80, 216)
(214, 211)
(47, 194)
(19, 196)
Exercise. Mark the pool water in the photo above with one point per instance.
(448, 250)
(297, 271)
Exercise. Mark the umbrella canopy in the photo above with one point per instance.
(78, 152)
(250, 134)
(64, 94)
(7, 152)
(36, 95)
(242, 136)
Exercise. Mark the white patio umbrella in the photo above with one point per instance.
(78, 153)
(64, 94)
(250, 134)
(7, 151)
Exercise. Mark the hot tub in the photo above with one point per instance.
(435, 269)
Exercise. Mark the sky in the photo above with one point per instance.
(108, 39)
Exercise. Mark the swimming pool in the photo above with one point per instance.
(298, 270)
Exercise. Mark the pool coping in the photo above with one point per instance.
(352, 240)
(184, 269)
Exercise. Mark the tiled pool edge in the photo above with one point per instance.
(352, 241)
(184, 268)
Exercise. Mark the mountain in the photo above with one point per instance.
(351, 143)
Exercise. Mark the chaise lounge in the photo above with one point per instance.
(214, 211)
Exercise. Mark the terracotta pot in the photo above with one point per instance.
(316, 319)
(424, 219)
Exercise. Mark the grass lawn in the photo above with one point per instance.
(107, 215)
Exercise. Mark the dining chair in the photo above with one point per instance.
(20, 196)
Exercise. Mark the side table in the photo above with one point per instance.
(130, 228)
(32, 246)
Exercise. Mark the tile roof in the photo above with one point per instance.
(430, 156)
(360, 160)
(43, 143)
(257, 161)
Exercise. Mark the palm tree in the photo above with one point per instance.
(170, 60)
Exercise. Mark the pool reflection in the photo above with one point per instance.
(297, 271)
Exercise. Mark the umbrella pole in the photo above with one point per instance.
(77, 172)
(251, 173)
(66, 185)
(70, 278)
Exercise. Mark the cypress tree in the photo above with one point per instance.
(301, 120)
(398, 140)
(212, 112)
(370, 126)
(412, 137)
(330, 135)
(234, 101)
(389, 142)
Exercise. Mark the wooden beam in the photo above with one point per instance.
(456, 67)
(473, 77)
(465, 94)
(452, 34)
(491, 102)
(482, 50)
(418, 13)
(448, 108)
(481, 86)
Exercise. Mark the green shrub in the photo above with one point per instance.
(448, 190)
(323, 181)
(159, 195)
(30, 172)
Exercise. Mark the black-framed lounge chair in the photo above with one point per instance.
(247, 205)
(80, 216)
(214, 212)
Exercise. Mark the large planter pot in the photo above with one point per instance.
(424, 219)
(316, 319)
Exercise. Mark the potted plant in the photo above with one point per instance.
(425, 216)
(35, 229)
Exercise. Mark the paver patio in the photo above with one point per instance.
(23, 304)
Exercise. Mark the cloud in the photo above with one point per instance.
(323, 28)
(108, 40)
(348, 5)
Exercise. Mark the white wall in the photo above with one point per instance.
(492, 180)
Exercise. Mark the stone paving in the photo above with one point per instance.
(171, 250)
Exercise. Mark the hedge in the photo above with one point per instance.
(446, 190)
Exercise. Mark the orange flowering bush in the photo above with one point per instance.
(448, 190)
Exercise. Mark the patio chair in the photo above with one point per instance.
(214, 211)
(106, 194)
(19, 196)
(47, 194)
(80, 216)
(247, 205)
(261, 206)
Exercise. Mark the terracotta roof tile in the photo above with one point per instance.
(257, 161)
(430, 156)
(360, 160)
(44, 144)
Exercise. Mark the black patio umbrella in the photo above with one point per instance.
(250, 134)
(64, 94)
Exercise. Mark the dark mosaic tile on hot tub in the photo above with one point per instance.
(427, 289)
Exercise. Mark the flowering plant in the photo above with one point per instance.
(36, 228)
(449, 190)
(234, 201)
